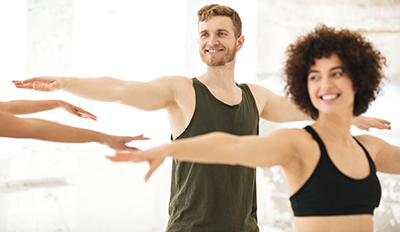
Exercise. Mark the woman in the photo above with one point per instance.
(333, 76)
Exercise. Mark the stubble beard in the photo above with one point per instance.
(230, 56)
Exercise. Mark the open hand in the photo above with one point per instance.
(366, 123)
(43, 83)
(152, 156)
(77, 111)
(118, 143)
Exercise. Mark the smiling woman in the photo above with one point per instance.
(329, 86)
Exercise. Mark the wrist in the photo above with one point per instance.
(62, 82)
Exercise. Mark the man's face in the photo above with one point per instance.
(217, 42)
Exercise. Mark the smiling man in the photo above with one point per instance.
(203, 197)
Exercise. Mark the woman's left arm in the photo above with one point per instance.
(385, 155)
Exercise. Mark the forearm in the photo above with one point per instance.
(14, 127)
(105, 89)
(19, 107)
(55, 132)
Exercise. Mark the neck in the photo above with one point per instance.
(334, 127)
(222, 76)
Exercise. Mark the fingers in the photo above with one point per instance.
(383, 124)
(148, 174)
(126, 156)
(21, 85)
(38, 83)
(130, 139)
(153, 166)
(140, 137)
(84, 114)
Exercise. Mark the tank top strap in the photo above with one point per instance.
(248, 97)
(316, 137)
(371, 162)
(324, 153)
(201, 90)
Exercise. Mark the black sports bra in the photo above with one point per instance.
(329, 192)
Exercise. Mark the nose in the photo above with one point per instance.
(213, 40)
(326, 82)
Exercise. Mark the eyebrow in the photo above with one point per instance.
(312, 71)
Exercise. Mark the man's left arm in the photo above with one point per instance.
(279, 109)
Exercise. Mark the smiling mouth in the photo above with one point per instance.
(330, 96)
(214, 50)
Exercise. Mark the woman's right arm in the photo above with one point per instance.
(276, 148)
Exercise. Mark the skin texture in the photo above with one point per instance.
(175, 94)
(20, 107)
(295, 149)
(15, 127)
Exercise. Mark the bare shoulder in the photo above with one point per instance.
(174, 80)
(261, 95)
(259, 90)
(292, 137)
(371, 143)
(175, 83)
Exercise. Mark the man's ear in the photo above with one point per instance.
(239, 43)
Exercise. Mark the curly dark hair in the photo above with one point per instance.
(360, 59)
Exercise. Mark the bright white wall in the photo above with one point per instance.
(59, 187)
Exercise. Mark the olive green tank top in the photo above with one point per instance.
(211, 197)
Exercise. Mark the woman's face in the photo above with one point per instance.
(330, 87)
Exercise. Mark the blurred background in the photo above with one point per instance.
(61, 187)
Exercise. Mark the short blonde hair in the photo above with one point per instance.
(209, 11)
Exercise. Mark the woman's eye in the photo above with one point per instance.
(337, 74)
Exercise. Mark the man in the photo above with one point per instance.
(15, 127)
(203, 197)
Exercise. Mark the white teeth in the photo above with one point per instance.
(213, 51)
(329, 97)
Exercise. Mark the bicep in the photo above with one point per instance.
(387, 158)
(153, 95)
(275, 148)
(280, 109)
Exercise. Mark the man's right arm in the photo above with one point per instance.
(153, 95)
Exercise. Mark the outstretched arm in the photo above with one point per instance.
(15, 127)
(276, 108)
(18, 107)
(153, 95)
(276, 148)
(385, 155)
